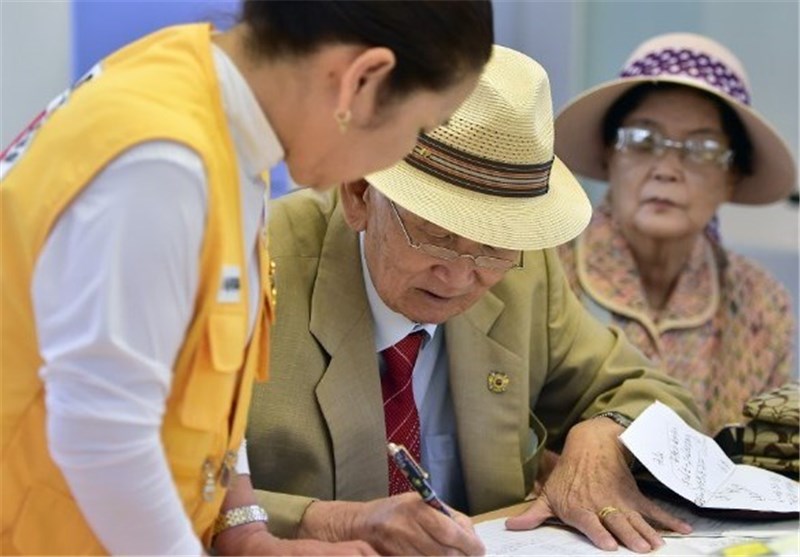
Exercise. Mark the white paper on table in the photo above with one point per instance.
(557, 541)
(692, 465)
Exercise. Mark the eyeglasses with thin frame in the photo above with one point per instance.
(481, 261)
(702, 150)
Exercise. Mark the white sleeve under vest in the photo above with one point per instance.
(113, 291)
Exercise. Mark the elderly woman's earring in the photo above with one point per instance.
(342, 118)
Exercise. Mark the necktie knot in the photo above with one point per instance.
(400, 359)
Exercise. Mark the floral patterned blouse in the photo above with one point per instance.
(726, 331)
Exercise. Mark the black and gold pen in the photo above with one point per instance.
(417, 477)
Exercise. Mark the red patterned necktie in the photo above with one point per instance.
(399, 408)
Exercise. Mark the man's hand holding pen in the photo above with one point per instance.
(398, 525)
(414, 523)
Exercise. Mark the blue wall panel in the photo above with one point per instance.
(99, 27)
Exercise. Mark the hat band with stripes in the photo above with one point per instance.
(477, 173)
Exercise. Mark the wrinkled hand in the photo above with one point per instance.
(547, 463)
(252, 539)
(592, 474)
(399, 525)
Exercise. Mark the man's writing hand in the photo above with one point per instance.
(399, 525)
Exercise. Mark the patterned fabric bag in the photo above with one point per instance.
(778, 406)
(771, 440)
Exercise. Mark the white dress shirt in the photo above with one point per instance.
(114, 290)
(431, 384)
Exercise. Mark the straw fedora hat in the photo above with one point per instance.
(695, 61)
(489, 175)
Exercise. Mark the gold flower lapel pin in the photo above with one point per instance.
(497, 381)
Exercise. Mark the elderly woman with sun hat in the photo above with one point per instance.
(675, 137)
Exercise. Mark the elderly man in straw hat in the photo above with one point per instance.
(443, 265)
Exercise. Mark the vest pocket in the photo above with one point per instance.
(226, 338)
(213, 378)
(51, 523)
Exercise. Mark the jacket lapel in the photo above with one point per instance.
(349, 393)
(488, 422)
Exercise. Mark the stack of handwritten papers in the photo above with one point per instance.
(693, 466)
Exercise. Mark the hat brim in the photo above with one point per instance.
(579, 141)
(503, 222)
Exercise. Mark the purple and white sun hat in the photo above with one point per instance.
(695, 61)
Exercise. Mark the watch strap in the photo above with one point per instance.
(238, 516)
(617, 417)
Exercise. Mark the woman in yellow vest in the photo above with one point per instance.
(132, 285)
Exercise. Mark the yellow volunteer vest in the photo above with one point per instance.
(163, 87)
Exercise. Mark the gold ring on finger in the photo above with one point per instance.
(605, 511)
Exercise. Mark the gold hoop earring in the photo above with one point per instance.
(343, 118)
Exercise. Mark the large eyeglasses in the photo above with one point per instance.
(481, 261)
(699, 150)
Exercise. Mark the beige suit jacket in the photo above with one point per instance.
(317, 428)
